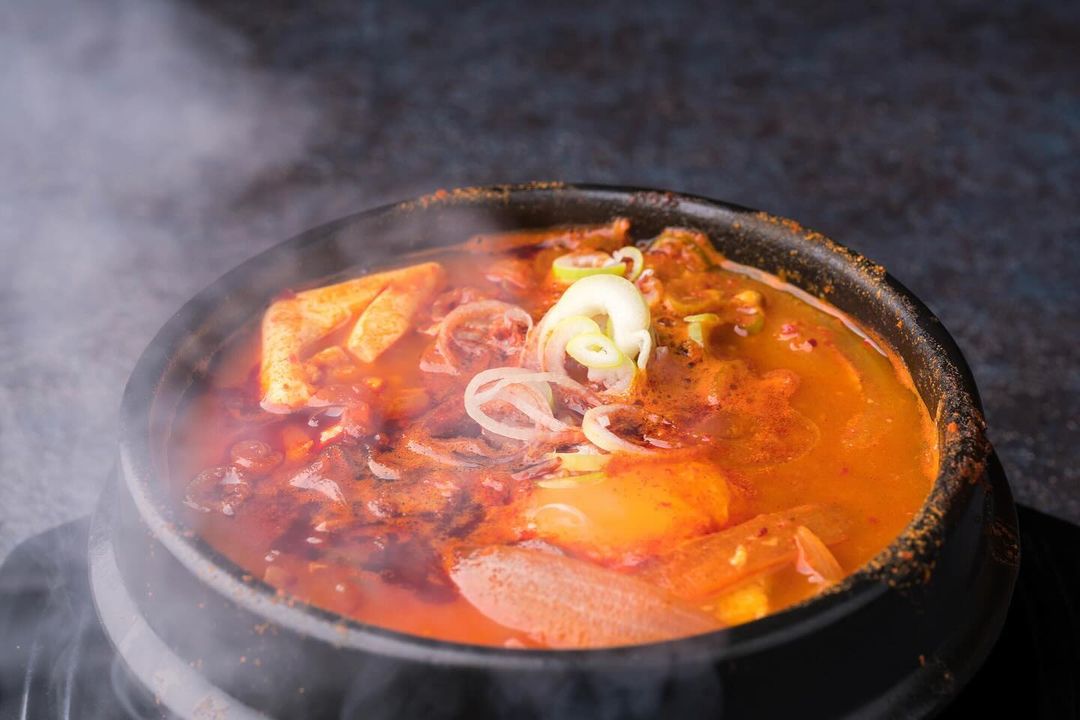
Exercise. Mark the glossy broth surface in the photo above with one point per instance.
(773, 446)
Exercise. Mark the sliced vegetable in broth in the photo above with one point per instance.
(554, 438)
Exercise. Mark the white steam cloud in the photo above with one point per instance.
(127, 127)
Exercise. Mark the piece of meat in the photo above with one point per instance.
(399, 558)
(222, 488)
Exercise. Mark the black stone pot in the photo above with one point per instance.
(899, 638)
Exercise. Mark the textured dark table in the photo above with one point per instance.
(148, 145)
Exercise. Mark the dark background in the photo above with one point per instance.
(146, 147)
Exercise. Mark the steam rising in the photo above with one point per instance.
(129, 130)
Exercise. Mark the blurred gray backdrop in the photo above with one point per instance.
(148, 145)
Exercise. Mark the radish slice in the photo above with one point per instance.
(567, 603)
(702, 567)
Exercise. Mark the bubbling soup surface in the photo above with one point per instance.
(553, 438)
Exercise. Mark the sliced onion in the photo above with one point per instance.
(595, 425)
(617, 380)
(635, 256)
(553, 355)
(511, 376)
(574, 266)
(539, 410)
(576, 397)
(595, 350)
(518, 375)
(531, 403)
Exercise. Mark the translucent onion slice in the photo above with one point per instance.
(814, 559)
(571, 268)
(531, 403)
(635, 256)
(595, 425)
(518, 375)
(618, 380)
(553, 357)
(540, 385)
(527, 399)
(595, 350)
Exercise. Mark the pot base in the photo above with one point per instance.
(65, 666)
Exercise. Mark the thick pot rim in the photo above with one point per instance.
(963, 451)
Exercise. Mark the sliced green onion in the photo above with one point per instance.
(750, 324)
(573, 481)
(595, 350)
(571, 268)
(581, 461)
(750, 297)
(610, 295)
(699, 325)
(554, 347)
(751, 319)
(635, 255)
